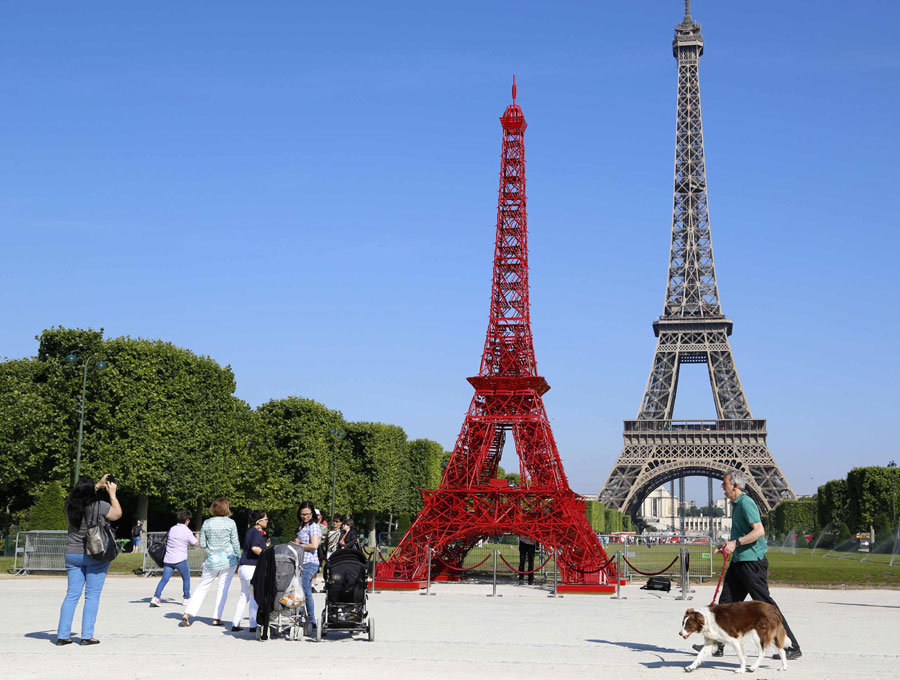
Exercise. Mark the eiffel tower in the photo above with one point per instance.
(471, 503)
(692, 330)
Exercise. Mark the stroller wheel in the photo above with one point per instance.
(371, 628)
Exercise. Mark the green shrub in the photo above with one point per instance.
(48, 511)
(595, 512)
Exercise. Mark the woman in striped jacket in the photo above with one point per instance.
(219, 536)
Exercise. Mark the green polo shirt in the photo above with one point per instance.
(745, 513)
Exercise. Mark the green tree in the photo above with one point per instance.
(294, 449)
(380, 467)
(595, 512)
(831, 501)
(32, 437)
(869, 493)
(424, 464)
(48, 511)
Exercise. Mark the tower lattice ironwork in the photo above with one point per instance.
(692, 330)
(471, 503)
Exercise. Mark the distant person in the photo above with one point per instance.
(526, 556)
(349, 537)
(308, 538)
(748, 572)
(334, 535)
(83, 572)
(220, 538)
(136, 534)
(179, 539)
(254, 544)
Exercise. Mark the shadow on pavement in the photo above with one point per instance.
(860, 604)
(49, 635)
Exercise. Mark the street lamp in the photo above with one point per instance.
(337, 434)
(99, 366)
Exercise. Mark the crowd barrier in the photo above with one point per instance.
(196, 555)
(643, 555)
(40, 551)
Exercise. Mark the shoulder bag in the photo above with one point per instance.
(99, 542)
(157, 551)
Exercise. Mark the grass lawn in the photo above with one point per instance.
(813, 568)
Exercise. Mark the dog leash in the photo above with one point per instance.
(721, 576)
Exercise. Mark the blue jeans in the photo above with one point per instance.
(306, 577)
(168, 569)
(87, 574)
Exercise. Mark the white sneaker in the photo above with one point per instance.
(154, 601)
(187, 601)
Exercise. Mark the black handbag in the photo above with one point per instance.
(99, 541)
(157, 551)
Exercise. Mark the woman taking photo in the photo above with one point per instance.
(83, 571)
(220, 538)
(254, 544)
(177, 542)
(308, 538)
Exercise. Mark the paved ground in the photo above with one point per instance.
(457, 633)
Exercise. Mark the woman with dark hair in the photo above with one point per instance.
(349, 538)
(178, 540)
(308, 538)
(83, 571)
(254, 544)
(220, 538)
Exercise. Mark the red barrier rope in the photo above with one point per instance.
(450, 566)
(647, 573)
(516, 571)
(593, 571)
(721, 576)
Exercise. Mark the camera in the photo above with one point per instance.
(110, 478)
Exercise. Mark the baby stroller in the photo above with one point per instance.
(345, 595)
(282, 609)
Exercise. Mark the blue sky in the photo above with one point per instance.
(307, 193)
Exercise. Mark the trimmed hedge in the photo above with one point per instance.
(595, 512)
(797, 516)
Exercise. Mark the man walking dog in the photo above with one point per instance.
(748, 572)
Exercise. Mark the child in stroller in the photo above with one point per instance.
(345, 595)
(276, 588)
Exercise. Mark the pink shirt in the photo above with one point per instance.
(180, 537)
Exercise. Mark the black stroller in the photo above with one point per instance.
(345, 595)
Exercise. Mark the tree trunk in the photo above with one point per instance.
(370, 526)
(141, 514)
(198, 516)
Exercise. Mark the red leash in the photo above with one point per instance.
(721, 576)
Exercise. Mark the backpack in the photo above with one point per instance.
(658, 583)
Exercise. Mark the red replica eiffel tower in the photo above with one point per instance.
(471, 503)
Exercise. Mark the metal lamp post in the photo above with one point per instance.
(100, 365)
(337, 434)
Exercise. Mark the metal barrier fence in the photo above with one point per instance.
(652, 555)
(478, 563)
(196, 555)
(639, 553)
(40, 551)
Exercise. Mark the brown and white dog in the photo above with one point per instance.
(758, 621)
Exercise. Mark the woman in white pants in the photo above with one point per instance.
(254, 544)
(220, 538)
